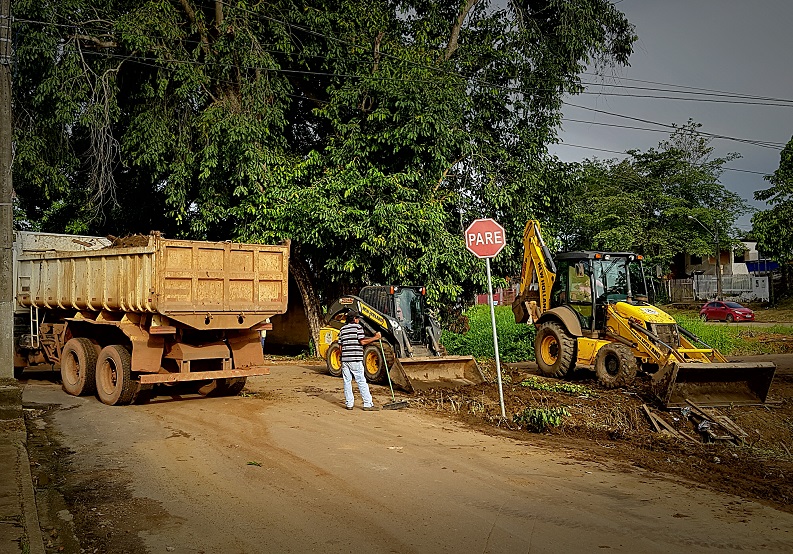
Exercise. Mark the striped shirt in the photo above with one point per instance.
(350, 342)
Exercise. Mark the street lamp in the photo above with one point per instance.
(715, 233)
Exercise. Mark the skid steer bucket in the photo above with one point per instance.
(713, 384)
(411, 374)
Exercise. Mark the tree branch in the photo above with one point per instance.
(452, 46)
(97, 41)
(377, 42)
(188, 10)
(218, 14)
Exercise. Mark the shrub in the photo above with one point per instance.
(515, 340)
(540, 419)
(569, 388)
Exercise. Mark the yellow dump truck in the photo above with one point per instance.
(593, 310)
(118, 318)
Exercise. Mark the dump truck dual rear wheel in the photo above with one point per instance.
(554, 349)
(615, 366)
(114, 383)
(78, 367)
(333, 359)
(231, 386)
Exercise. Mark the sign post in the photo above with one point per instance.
(485, 239)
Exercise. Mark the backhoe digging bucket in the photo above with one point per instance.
(713, 384)
(411, 374)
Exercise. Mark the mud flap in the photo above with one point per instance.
(713, 384)
(411, 374)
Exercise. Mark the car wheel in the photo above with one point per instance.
(703, 317)
(730, 318)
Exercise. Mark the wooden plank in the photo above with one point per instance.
(651, 418)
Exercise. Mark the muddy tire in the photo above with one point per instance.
(615, 366)
(231, 386)
(114, 384)
(78, 367)
(554, 349)
(374, 367)
(333, 359)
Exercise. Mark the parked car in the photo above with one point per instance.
(725, 311)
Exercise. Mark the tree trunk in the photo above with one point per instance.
(301, 274)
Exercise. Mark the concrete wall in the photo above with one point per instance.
(290, 334)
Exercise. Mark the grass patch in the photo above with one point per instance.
(515, 340)
(569, 388)
(724, 338)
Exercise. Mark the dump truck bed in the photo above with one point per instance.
(199, 284)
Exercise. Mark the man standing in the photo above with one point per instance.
(351, 341)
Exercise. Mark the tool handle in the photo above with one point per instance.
(387, 371)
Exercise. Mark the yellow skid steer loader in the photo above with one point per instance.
(594, 310)
(414, 356)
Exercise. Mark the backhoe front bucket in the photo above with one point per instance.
(411, 374)
(713, 384)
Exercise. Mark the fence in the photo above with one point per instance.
(745, 288)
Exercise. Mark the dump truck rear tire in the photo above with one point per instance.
(615, 366)
(78, 367)
(333, 359)
(114, 384)
(554, 349)
(230, 386)
(374, 367)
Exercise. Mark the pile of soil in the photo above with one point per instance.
(612, 426)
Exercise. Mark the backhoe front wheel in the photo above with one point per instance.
(333, 359)
(554, 349)
(615, 366)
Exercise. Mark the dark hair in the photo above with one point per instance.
(351, 315)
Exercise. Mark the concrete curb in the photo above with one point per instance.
(15, 472)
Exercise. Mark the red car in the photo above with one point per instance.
(725, 311)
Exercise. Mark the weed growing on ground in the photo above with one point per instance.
(569, 388)
(724, 338)
(540, 419)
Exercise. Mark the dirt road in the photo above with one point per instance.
(289, 470)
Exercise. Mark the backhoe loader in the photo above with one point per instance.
(593, 310)
(414, 356)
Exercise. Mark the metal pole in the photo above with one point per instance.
(719, 295)
(6, 211)
(495, 338)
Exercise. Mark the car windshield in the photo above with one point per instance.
(733, 305)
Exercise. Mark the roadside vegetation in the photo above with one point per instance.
(515, 340)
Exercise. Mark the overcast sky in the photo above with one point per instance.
(737, 47)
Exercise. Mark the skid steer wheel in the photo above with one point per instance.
(554, 349)
(333, 359)
(114, 384)
(615, 366)
(373, 366)
(78, 367)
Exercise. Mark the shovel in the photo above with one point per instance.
(394, 404)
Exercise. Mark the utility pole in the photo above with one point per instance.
(6, 211)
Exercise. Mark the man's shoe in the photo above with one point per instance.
(348, 407)
(370, 408)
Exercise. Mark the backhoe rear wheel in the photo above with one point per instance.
(554, 349)
(374, 367)
(615, 366)
(333, 359)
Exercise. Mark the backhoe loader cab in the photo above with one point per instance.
(594, 310)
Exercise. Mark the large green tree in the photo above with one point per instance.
(645, 202)
(772, 227)
(368, 132)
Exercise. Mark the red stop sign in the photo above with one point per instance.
(485, 238)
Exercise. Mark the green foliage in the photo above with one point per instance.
(569, 388)
(515, 340)
(726, 339)
(772, 227)
(641, 204)
(538, 420)
(369, 134)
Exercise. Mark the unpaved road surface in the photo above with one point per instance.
(288, 469)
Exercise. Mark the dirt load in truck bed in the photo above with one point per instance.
(613, 426)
